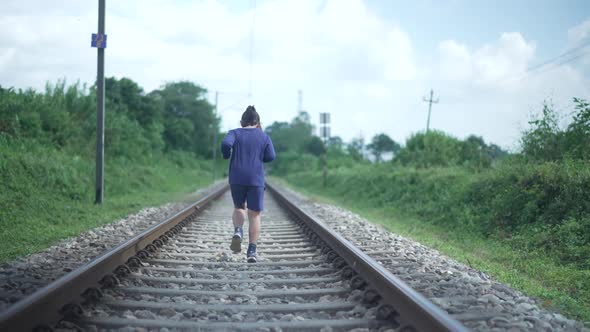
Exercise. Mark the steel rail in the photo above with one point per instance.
(412, 309)
(45, 306)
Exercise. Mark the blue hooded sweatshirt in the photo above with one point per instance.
(249, 148)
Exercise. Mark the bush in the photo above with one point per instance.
(538, 204)
(434, 148)
(292, 162)
(542, 206)
(546, 141)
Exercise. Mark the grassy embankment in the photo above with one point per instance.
(47, 194)
(526, 225)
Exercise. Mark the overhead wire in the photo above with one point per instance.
(566, 53)
(251, 55)
(236, 104)
(553, 63)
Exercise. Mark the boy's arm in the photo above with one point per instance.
(227, 144)
(269, 151)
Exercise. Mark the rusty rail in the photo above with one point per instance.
(50, 303)
(406, 305)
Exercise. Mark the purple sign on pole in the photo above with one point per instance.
(99, 40)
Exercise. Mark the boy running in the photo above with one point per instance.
(249, 147)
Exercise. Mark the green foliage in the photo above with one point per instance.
(335, 142)
(46, 117)
(295, 145)
(545, 206)
(189, 121)
(382, 143)
(438, 149)
(128, 97)
(536, 206)
(546, 141)
(295, 136)
(577, 135)
(315, 146)
(127, 138)
(355, 148)
(177, 117)
(434, 148)
(47, 144)
(283, 137)
(46, 193)
(293, 162)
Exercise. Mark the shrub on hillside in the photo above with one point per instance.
(544, 203)
(292, 162)
(543, 206)
(546, 141)
(438, 149)
(434, 148)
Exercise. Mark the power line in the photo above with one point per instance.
(552, 63)
(240, 101)
(566, 53)
(546, 69)
(252, 47)
(429, 101)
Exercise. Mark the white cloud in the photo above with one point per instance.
(489, 64)
(579, 34)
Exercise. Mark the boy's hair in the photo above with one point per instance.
(250, 117)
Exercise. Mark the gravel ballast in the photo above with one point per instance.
(25, 275)
(471, 296)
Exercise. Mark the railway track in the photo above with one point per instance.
(181, 275)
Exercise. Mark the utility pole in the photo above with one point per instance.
(325, 134)
(299, 101)
(99, 41)
(429, 101)
(215, 141)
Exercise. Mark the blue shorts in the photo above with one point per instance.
(252, 195)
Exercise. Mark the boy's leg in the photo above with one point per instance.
(254, 230)
(238, 217)
(255, 198)
(254, 234)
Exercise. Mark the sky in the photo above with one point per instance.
(491, 64)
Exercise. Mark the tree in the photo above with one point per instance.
(544, 140)
(356, 148)
(295, 144)
(335, 142)
(382, 143)
(577, 135)
(292, 136)
(279, 132)
(315, 146)
(189, 121)
(474, 152)
(434, 148)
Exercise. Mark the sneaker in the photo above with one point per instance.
(236, 240)
(252, 258)
(251, 253)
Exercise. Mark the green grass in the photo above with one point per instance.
(558, 287)
(48, 195)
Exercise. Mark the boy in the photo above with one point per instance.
(249, 147)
